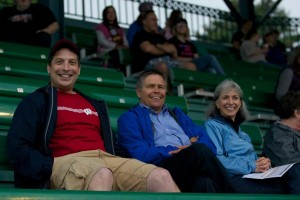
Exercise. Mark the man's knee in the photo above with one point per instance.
(162, 67)
(102, 180)
(160, 180)
(160, 175)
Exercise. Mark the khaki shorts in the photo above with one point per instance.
(75, 171)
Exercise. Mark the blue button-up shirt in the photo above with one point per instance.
(166, 130)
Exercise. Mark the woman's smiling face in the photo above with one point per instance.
(229, 103)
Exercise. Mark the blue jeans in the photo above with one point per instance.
(208, 63)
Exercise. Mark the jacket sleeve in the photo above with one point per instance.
(104, 42)
(233, 165)
(135, 136)
(281, 147)
(24, 147)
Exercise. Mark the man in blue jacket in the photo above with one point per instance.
(60, 138)
(153, 133)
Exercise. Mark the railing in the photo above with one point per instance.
(204, 23)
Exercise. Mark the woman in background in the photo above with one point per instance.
(110, 37)
(174, 16)
(187, 53)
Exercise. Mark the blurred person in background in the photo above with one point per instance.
(111, 37)
(27, 23)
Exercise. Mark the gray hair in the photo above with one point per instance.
(141, 78)
(225, 86)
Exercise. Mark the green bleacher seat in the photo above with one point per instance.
(187, 80)
(19, 86)
(6, 172)
(126, 58)
(101, 76)
(26, 52)
(22, 67)
(8, 106)
(255, 134)
(237, 68)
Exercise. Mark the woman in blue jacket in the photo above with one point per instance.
(234, 147)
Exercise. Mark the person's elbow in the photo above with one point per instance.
(55, 27)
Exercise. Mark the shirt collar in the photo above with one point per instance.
(163, 110)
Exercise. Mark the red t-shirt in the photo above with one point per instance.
(77, 127)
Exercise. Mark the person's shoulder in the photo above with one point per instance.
(131, 113)
(100, 26)
(135, 25)
(36, 97)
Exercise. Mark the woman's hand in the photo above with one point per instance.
(262, 164)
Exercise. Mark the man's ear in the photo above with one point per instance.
(138, 92)
(48, 68)
(297, 113)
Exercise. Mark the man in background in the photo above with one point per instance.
(27, 23)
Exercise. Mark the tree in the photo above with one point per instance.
(222, 30)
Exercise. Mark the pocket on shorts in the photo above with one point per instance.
(73, 177)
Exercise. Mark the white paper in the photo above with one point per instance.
(271, 173)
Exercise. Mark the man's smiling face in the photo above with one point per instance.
(64, 70)
(153, 92)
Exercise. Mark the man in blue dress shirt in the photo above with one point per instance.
(153, 133)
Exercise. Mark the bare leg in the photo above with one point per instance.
(188, 65)
(102, 180)
(160, 180)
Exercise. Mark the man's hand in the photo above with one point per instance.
(179, 149)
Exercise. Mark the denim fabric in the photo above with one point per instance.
(208, 63)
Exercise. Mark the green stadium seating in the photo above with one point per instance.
(22, 67)
(19, 86)
(255, 134)
(6, 172)
(101, 76)
(8, 106)
(26, 52)
(192, 79)
(236, 68)
(10, 194)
